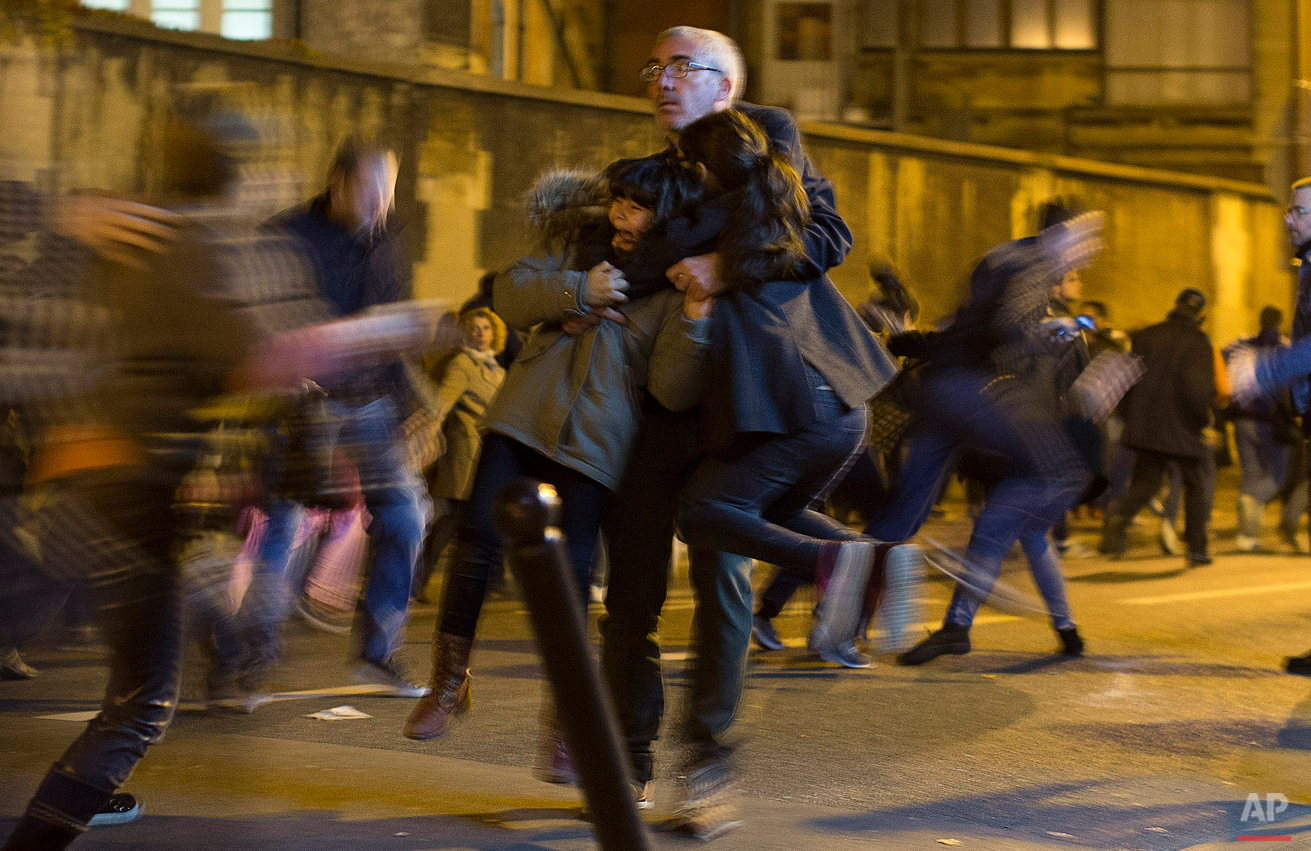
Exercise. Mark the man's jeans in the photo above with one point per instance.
(1003, 421)
(1149, 468)
(1006, 423)
(639, 531)
(398, 502)
(1264, 462)
(1047, 578)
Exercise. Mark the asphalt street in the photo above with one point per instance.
(1157, 739)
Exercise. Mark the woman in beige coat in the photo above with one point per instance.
(466, 384)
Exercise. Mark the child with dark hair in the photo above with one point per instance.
(792, 366)
(569, 408)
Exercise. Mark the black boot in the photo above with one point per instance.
(951, 639)
(57, 814)
(1071, 642)
(1300, 665)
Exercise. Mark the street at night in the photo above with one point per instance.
(1155, 739)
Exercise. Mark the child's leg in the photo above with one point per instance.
(582, 502)
(756, 503)
(478, 544)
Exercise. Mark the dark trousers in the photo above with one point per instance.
(478, 543)
(639, 529)
(116, 534)
(757, 500)
(1148, 470)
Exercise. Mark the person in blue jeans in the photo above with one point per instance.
(358, 265)
(974, 396)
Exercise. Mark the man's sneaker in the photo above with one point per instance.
(951, 639)
(240, 702)
(902, 601)
(1199, 560)
(762, 630)
(12, 666)
(1073, 550)
(842, 574)
(709, 808)
(643, 799)
(1169, 539)
(389, 672)
(845, 654)
(121, 809)
(1071, 641)
(1245, 543)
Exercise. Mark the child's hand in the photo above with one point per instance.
(582, 324)
(605, 286)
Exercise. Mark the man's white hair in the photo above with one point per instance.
(717, 50)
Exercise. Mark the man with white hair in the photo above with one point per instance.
(692, 73)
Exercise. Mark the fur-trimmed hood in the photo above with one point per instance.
(564, 203)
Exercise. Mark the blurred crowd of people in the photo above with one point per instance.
(222, 415)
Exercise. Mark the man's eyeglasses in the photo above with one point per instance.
(1298, 211)
(678, 69)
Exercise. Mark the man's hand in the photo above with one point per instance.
(697, 308)
(582, 324)
(118, 230)
(700, 277)
(605, 286)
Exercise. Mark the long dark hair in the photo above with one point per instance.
(763, 239)
(661, 183)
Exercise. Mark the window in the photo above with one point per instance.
(248, 20)
(176, 14)
(1178, 51)
(1014, 24)
(237, 19)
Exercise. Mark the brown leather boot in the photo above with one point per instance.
(450, 689)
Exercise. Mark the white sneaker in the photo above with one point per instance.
(845, 654)
(838, 615)
(902, 603)
(392, 674)
(1075, 550)
(1170, 543)
(1245, 543)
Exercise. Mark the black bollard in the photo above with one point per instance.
(528, 515)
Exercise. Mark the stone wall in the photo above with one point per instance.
(471, 146)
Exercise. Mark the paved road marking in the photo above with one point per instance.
(307, 694)
(79, 717)
(1217, 593)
